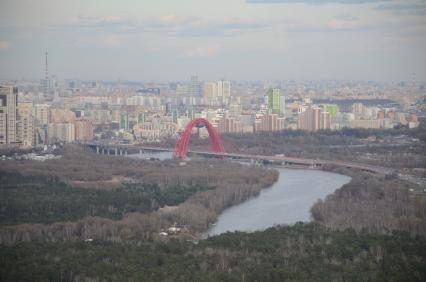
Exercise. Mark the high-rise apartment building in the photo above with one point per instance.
(61, 116)
(194, 87)
(282, 104)
(210, 90)
(313, 119)
(42, 114)
(124, 121)
(83, 130)
(358, 109)
(230, 125)
(333, 109)
(26, 124)
(8, 115)
(220, 89)
(274, 101)
(269, 122)
(141, 117)
(61, 132)
(224, 89)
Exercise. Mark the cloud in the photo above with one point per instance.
(202, 52)
(188, 26)
(347, 17)
(225, 27)
(4, 45)
(340, 23)
(112, 41)
(314, 2)
(111, 23)
(418, 9)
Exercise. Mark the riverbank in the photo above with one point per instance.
(287, 201)
(41, 202)
(374, 203)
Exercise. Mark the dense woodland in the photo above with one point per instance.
(371, 229)
(64, 200)
(303, 252)
(31, 199)
(374, 204)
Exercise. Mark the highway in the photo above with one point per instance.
(118, 149)
(124, 149)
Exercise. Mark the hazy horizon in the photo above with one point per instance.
(238, 40)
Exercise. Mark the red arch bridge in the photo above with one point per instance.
(218, 150)
(181, 147)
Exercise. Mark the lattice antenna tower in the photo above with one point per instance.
(46, 69)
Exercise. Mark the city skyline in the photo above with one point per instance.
(242, 40)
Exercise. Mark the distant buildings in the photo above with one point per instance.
(269, 122)
(8, 115)
(218, 90)
(210, 90)
(313, 119)
(194, 87)
(83, 130)
(274, 101)
(42, 114)
(58, 132)
(25, 124)
(333, 109)
(137, 113)
(61, 116)
(124, 121)
(224, 89)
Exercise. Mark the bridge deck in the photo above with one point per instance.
(282, 159)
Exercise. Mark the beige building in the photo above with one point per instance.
(224, 89)
(61, 116)
(8, 115)
(42, 114)
(313, 119)
(365, 123)
(64, 132)
(220, 89)
(269, 122)
(83, 130)
(26, 124)
(210, 90)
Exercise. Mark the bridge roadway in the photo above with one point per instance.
(283, 160)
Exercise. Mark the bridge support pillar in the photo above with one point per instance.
(97, 150)
(125, 152)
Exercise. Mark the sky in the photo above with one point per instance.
(170, 40)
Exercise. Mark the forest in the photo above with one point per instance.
(89, 217)
(303, 252)
(373, 204)
(31, 199)
(118, 199)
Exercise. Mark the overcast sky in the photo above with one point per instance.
(232, 39)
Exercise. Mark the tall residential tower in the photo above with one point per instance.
(8, 115)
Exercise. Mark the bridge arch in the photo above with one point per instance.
(182, 144)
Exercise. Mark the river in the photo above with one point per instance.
(286, 202)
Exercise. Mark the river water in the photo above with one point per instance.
(286, 202)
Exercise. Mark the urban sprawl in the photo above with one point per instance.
(39, 113)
